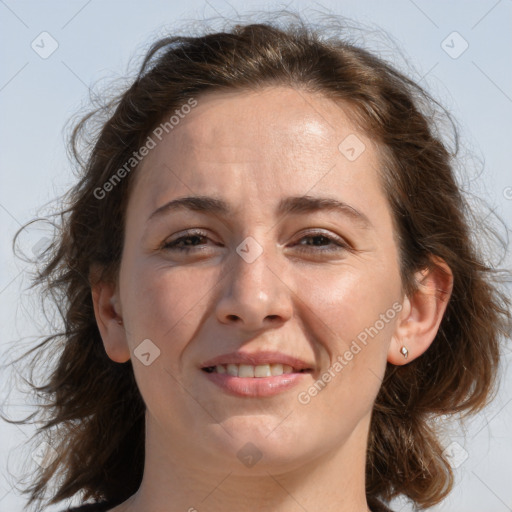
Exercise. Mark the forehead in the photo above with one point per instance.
(255, 122)
(276, 115)
(251, 143)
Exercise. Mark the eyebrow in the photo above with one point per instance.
(289, 205)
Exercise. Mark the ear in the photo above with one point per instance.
(422, 313)
(108, 317)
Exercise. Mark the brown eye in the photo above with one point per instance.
(187, 243)
(322, 243)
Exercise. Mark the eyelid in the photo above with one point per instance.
(337, 243)
(323, 232)
(185, 234)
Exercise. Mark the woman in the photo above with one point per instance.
(270, 286)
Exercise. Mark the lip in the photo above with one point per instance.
(256, 358)
(255, 387)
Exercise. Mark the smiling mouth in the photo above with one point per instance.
(251, 371)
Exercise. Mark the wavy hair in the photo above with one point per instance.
(92, 409)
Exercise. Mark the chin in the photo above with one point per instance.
(260, 444)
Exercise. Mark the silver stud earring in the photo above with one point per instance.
(404, 352)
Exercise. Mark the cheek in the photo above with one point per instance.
(163, 303)
(352, 299)
(353, 317)
(343, 312)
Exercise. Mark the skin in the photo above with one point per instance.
(252, 149)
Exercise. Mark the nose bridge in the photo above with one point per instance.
(251, 267)
(253, 294)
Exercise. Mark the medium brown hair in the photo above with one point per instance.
(93, 410)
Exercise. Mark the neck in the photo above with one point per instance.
(185, 478)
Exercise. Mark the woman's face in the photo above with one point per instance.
(268, 270)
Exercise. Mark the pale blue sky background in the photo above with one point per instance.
(96, 40)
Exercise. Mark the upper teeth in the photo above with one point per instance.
(247, 370)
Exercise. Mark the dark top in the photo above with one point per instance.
(92, 507)
(375, 506)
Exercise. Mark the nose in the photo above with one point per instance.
(254, 295)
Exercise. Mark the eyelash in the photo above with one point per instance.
(337, 244)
